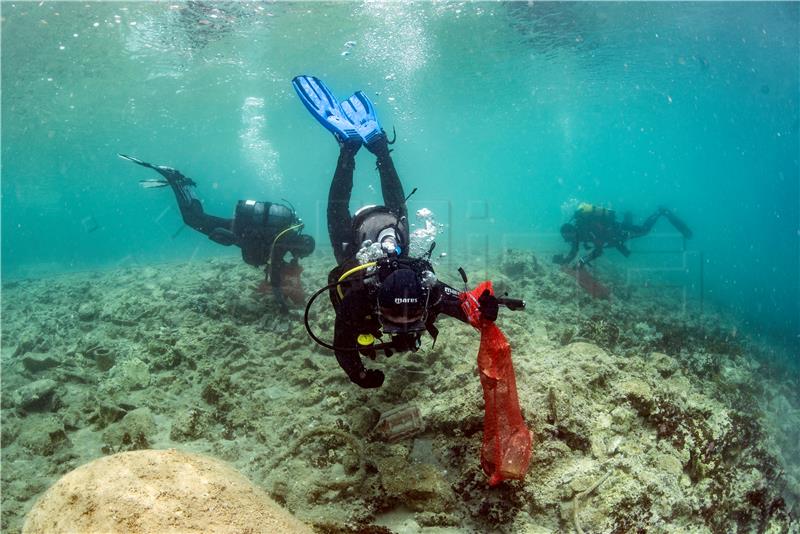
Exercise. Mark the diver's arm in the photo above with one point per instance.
(350, 360)
(449, 303)
(573, 251)
(351, 321)
(276, 266)
(597, 251)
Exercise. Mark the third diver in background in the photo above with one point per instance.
(597, 228)
(265, 232)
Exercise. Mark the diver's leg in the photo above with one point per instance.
(676, 222)
(648, 223)
(193, 214)
(191, 208)
(394, 197)
(216, 228)
(340, 223)
(635, 230)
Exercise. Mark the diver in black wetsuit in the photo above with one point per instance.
(597, 228)
(403, 298)
(264, 231)
(376, 287)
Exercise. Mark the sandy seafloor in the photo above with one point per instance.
(683, 421)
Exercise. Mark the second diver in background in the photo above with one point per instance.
(265, 231)
(597, 228)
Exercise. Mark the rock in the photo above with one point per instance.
(88, 311)
(36, 362)
(129, 375)
(669, 465)
(190, 425)
(589, 351)
(43, 436)
(158, 491)
(420, 487)
(638, 393)
(517, 265)
(133, 432)
(29, 343)
(665, 365)
(275, 392)
(10, 428)
(105, 414)
(38, 396)
(623, 419)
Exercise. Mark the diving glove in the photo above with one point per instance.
(368, 378)
(488, 306)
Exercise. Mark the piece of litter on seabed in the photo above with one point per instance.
(399, 423)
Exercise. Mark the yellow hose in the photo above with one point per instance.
(351, 271)
(280, 235)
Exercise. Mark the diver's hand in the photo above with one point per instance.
(368, 378)
(280, 300)
(558, 258)
(488, 306)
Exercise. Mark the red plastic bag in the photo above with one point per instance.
(506, 450)
(291, 286)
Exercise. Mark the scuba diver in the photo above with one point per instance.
(265, 232)
(597, 228)
(376, 287)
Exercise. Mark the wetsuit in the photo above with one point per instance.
(254, 227)
(598, 228)
(357, 312)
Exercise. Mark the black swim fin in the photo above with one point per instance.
(173, 176)
(152, 184)
(678, 224)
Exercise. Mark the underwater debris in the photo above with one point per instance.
(103, 357)
(399, 423)
(350, 439)
(36, 362)
(599, 331)
(37, 396)
(576, 501)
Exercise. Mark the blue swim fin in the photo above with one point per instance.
(361, 113)
(319, 100)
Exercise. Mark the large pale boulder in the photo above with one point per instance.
(155, 492)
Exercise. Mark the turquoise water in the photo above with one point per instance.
(506, 114)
